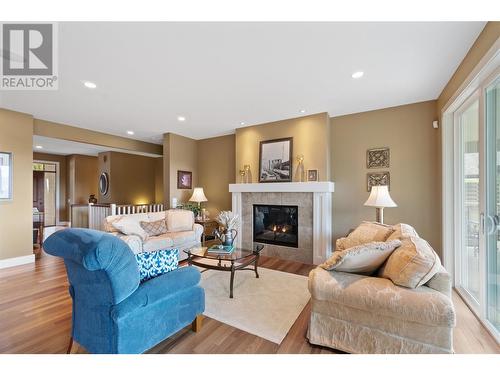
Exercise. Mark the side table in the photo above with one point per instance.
(208, 228)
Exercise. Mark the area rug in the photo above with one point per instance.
(266, 307)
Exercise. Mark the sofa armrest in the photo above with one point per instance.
(156, 289)
(441, 282)
(198, 231)
(133, 241)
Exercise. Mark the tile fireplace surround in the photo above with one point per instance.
(314, 201)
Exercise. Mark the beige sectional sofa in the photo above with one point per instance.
(371, 314)
(182, 232)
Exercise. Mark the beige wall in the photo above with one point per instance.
(216, 165)
(132, 178)
(82, 178)
(63, 179)
(407, 130)
(16, 220)
(71, 133)
(179, 153)
(310, 138)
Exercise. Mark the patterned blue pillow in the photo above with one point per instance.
(157, 263)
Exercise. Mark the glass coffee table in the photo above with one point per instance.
(239, 259)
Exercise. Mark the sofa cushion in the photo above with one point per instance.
(412, 264)
(156, 243)
(179, 220)
(130, 225)
(108, 223)
(154, 228)
(157, 263)
(362, 259)
(180, 238)
(380, 296)
(155, 216)
(402, 230)
(366, 232)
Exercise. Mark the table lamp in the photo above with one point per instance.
(380, 198)
(198, 197)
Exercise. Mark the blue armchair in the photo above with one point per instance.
(112, 311)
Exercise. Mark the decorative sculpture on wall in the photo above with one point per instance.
(378, 158)
(104, 183)
(378, 178)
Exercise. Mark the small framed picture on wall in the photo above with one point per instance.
(312, 175)
(184, 180)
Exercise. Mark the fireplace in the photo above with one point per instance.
(277, 225)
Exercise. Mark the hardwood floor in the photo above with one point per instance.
(35, 317)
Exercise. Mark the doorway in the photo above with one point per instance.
(45, 194)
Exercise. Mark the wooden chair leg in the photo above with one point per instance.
(70, 345)
(197, 323)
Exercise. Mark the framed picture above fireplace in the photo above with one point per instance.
(275, 160)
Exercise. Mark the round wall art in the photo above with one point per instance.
(104, 183)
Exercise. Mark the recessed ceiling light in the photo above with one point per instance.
(89, 85)
(302, 111)
(242, 123)
(181, 118)
(38, 147)
(130, 132)
(357, 75)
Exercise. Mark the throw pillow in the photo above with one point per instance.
(366, 232)
(179, 220)
(411, 265)
(157, 263)
(154, 228)
(402, 230)
(129, 225)
(361, 259)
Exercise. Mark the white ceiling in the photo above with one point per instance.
(218, 75)
(63, 147)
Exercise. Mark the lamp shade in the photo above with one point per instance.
(379, 197)
(198, 195)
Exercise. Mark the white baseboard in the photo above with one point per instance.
(18, 261)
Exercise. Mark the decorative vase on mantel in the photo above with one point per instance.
(248, 174)
(242, 176)
(300, 171)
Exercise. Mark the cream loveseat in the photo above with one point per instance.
(370, 314)
(181, 231)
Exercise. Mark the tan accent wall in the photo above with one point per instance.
(132, 178)
(82, 178)
(407, 130)
(310, 138)
(72, 133)
(179, 153)
(63, 179)
(216, 165)
(16, 219)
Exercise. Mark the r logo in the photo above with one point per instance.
(27, 49)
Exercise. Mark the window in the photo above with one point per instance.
(5, 176)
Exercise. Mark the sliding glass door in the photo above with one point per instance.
(492, 214)
(476, 196)
(468, 204)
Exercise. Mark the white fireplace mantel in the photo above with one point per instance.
(284, 187)
(322, 209)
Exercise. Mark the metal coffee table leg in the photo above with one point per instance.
(232, 280)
